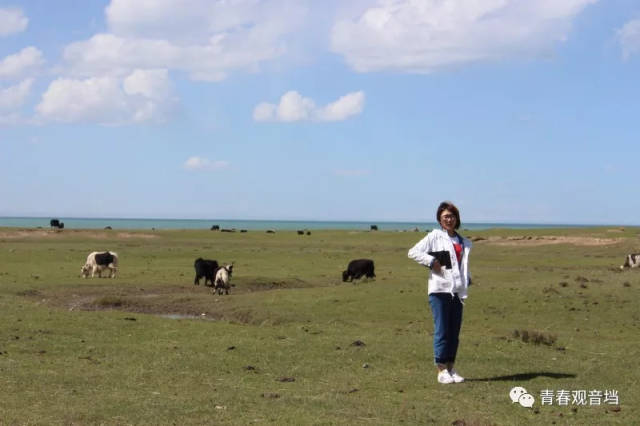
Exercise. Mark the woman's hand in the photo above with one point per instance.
(436, 267)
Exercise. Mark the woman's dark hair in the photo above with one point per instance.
(448, 205)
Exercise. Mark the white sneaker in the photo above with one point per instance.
(455, 376)
(445, 377)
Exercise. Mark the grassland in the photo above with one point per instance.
(292, 344)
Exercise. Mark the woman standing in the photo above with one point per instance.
(446, 253)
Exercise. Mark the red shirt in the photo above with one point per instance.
(458, 248)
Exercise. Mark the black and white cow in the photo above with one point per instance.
(205, 268)
(98, 262)
(631, 261)
(223, 279)
(357, 268)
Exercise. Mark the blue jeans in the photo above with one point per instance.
(447, 320)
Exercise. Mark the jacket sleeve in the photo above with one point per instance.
(419, 252)
(467, 242)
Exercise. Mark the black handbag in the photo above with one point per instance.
(443, 256)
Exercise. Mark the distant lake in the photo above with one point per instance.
(120, 223)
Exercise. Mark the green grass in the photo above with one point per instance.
(151, 348)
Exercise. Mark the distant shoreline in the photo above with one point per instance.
(258, 225)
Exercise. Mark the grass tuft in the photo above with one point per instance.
(535, 337)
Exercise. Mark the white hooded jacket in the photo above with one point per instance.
(454, 280)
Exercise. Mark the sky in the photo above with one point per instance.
(518, 111)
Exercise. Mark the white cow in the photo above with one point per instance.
(99, 261)
(631, 261)
(221, 282)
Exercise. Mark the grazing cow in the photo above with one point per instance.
(55, 223)
(205, 268)
(631, 261)
(223, 276)
(98, 262)
(215, 228)
(374, 227)
(357, 268)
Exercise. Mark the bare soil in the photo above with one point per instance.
(175, 301)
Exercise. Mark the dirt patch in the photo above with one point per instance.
(530, 241)
(171, 301)
(36, 233)
(103, 235)
(135, 235)
(265, 285)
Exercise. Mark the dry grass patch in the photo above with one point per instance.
(530, 241)
(93, 234)
(27, 233)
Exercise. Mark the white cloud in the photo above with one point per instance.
(295, 107)
(99, 99)
(206, 39)
(153, 84)
(629, 37)
(15, 96)
(424, 35)
(190, 18)
(12, 21)
(107, 54)
(142, 96)
(199, 163)
(346, 106)
(21, 63)
(209, 61)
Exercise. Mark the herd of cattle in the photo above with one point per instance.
(218, 277)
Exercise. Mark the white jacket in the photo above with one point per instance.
(454, 280)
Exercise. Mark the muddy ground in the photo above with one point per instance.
(175, 301)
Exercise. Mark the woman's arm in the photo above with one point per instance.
(420, 254)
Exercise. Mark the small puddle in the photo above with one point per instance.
(189, 317)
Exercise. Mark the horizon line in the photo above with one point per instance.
(321, 220)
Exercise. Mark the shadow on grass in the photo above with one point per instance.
(523, 376)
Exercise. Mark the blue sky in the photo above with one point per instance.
(518, 111)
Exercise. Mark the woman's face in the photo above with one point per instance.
(448, 221)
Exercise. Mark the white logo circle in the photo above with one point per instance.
(519, 394)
